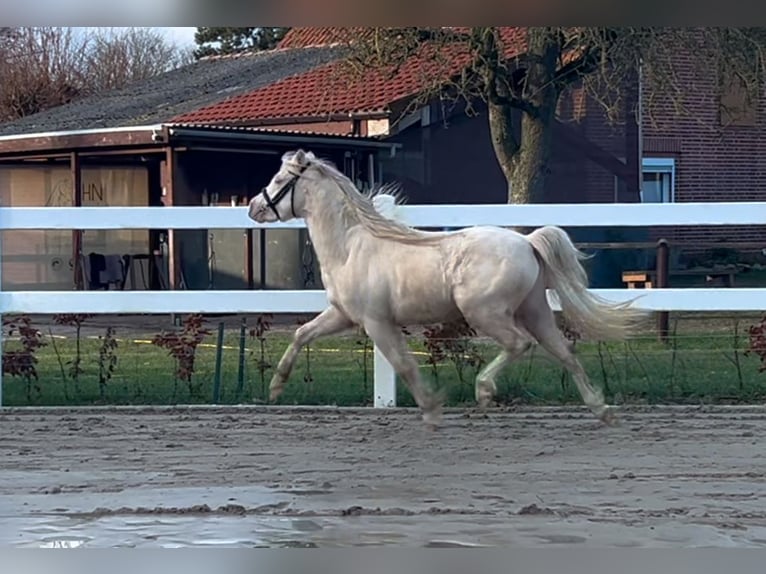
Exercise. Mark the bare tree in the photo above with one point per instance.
(549, 61)
(43, 67)
(117, 57)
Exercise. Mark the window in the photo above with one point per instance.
(738, 102)
(658, 180)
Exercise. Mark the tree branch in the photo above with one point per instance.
(583, 65)
(448, 34)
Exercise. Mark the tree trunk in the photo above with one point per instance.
(530, 166)
(503, 139)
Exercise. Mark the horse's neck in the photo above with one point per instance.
(328, 231)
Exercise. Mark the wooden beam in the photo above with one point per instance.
(592, 151)
(249, 253)
(21, 157)
(72, 141)
(76, 175)
(170, 161)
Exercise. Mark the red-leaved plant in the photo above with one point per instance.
(183, 348)
(757, 342)
(262, 327)
(23, 362)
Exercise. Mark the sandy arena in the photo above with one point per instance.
(675, 476)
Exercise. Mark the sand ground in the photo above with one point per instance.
(255, 476)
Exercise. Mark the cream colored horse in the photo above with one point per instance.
(382, 274)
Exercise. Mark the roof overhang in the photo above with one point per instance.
(180, 133)
(158, 137)
(71, 140)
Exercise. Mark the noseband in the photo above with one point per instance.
(289, 187)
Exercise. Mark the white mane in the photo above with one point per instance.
(376, 210)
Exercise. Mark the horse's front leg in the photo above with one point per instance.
(328, 322)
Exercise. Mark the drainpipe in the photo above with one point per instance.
(640, 121)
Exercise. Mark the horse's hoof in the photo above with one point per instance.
(484, 401)
(274, 395)
(609, 417)
(432, 418)
(276, 388)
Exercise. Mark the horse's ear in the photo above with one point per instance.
(301, 158)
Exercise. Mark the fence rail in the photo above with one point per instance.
(562, 214)
(312, 301)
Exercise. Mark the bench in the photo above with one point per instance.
(648, 278)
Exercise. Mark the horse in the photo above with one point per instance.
(381, 274)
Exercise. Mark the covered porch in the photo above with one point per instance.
(162, 165)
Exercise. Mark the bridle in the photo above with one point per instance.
(289, 187)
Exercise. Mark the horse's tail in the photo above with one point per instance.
(588, 314)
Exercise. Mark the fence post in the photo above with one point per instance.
(218, 359)
(241, 365)
(2, 232)
(384, 381)
(663, 265)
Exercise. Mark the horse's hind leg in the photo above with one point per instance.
(538, 319)
(393, 345)
(501, 326)
(515, 345)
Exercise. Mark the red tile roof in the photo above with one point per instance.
(306, 36)
(328, 91)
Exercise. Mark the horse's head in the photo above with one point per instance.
(281, 199)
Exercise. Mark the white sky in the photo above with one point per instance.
(183, 36)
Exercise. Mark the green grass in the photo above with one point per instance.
(697, 367)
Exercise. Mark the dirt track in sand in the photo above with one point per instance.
(676, 476)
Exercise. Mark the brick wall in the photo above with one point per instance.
(713, 162)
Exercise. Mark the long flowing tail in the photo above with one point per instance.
(592, 316)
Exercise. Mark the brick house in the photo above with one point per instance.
(446, 156)
(435, 165)
(255, 103)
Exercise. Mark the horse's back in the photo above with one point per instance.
(489, 240)
(485, 259)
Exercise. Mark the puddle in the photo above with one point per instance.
(62, 542)
(225, 531)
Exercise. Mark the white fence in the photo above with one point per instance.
(313, 301)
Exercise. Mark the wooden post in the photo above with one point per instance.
(262, 257)
(76, 174)
(168, 201)
(663, 263)
(249, 274)
(2, 334)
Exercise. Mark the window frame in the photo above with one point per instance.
(661, 165)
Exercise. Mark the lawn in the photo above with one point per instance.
(703, 362)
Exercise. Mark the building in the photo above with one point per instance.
(123, 148)
(712, 154)
(222, 121)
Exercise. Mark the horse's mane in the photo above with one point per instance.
(358, 206)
